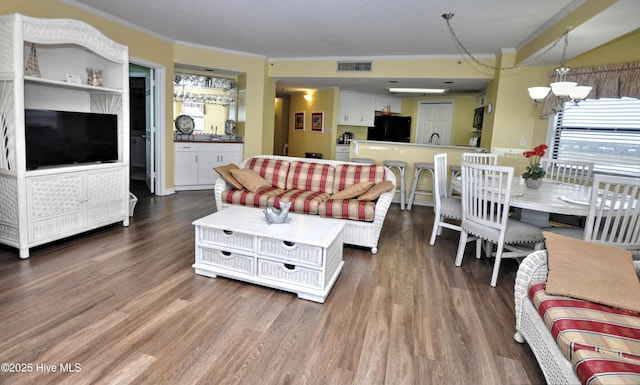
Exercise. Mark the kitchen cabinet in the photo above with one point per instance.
(381, 101)
(194, 163)
(342, 152)
(356, 108)
(52, 202)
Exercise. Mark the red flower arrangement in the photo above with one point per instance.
(534, 170)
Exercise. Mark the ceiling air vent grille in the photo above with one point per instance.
(354, 66)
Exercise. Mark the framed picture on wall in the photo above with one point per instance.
(317, 121)
(298, 120)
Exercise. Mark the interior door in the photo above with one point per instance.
(150, 131)
(435, 120)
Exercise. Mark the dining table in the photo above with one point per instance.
(552, 197)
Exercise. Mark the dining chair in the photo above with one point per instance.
(481, 158)
(444, 206)
(568, 171)
(486, 197)
(614, 213)
(476, 157)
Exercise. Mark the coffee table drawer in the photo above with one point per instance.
(284, 272)
(233, 239)
(291, 251)
(228, 260)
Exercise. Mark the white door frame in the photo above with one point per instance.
(158, 139)
(419, 132)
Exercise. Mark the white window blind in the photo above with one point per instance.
(603, 131)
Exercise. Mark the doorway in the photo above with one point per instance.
(435, 121)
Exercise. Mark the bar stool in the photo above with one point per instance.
(363, 160)
(401, 166)
(419, 167)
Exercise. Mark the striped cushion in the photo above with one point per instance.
(605, 368)
(579, 325)
(274, 171)
(348, 174)
(348, 209)
(309, 176)
(302, 201)
(261, 199)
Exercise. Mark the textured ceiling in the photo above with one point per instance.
(291, 29)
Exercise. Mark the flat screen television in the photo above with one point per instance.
(61, 138)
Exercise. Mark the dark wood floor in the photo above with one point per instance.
(125, 305)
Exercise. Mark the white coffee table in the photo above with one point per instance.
(303, 256)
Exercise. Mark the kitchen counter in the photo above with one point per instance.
(206, 141)
(410, 153)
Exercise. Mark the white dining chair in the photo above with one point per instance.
(444, 206)
(614, 213)
(486, 197)
(567, 171)
(480, 158)
(475, 157)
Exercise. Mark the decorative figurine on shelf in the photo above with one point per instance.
(32, 68)
(94, 77)
(534, 174)
(276, 216)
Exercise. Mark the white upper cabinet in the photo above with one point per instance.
(356, 109)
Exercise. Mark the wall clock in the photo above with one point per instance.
(185, 124)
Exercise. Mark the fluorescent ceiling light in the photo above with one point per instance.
(419, 90)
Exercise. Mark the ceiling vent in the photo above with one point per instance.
(354, 66)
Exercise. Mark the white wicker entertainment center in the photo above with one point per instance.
(46, 204)
(303, 256)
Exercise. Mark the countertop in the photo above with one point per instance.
(475, 149)
(205, 141)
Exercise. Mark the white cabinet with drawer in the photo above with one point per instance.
(342, 152)
(194, 163)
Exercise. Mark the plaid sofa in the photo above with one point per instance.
(575, 341)
(309, 184)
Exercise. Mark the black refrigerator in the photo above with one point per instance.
(391, 129)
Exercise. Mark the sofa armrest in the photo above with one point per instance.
(532, 268)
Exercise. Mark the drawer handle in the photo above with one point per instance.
(289, 266)
(226, 253)
(227, 232)
(289, 243)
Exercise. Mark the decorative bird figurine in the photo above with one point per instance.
(274, 215)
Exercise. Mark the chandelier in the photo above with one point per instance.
(563, 90)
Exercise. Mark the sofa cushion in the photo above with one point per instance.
(353, 209)
(310, 176)
(250, 179)
(273, 170)
(261, 199)
(302, 201)
(577, 324)
(225, 173)
(378, 189)
(350, 174)
(592, 271)
(604, 368)
(353, 191)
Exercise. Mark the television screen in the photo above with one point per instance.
(57, 138)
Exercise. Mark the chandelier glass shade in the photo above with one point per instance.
(565, 91)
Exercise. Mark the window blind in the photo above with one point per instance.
(603, 131)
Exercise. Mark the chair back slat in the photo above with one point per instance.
(614, 212)
(483, 186)
(566, 171)
(480, 158)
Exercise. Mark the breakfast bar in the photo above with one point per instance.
(409, 153)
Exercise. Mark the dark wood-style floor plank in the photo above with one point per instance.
(125, 305)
